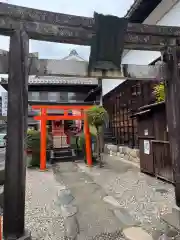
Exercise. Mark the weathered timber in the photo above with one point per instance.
(15, 164)
(172, 58)
(79, 36)
(35, 15)
(71, 68)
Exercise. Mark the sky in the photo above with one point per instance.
(75, 7)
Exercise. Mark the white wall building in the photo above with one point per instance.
(167, 13)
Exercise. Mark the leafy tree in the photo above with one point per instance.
(97, 116)
(159, 91)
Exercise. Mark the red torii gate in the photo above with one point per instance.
(44, 117)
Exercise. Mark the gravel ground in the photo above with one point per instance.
(43, 215)
(144, 197)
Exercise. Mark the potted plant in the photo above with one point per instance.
(97, 116)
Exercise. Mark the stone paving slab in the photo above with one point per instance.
(173, 218)
(136, 233)
(94, 218)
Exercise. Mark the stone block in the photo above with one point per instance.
(133, 153)
(124, 216)
(127, 150)
(134, 233)
(111, 200)
(121, 150)
(137, 153)
(106, 149)
(65, 197)
(71, 227)
(127, 157)
(114, 148)
(172, 219)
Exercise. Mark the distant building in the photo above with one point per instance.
(59, 91)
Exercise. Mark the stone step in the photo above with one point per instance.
(62, 153)
(63, 159)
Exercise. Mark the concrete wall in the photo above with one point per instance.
(167, 13)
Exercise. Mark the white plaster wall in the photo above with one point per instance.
(109, 84)
(166, 13)
(170, 17)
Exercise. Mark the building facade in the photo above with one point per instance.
(50, 90)
(127, 96)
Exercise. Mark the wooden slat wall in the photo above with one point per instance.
(122, 103)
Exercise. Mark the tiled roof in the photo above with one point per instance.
(33, 80)
(133, 7)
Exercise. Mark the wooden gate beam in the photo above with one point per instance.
(79, 36)
(60, 19)
(64, 28)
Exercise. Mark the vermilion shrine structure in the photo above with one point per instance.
(44, 117)
(23, 23)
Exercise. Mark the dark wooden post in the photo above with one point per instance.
(171, 57)
(15, 166)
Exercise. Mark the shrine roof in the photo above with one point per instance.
(73, 55)
(141, 9)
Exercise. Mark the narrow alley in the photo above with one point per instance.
(73, 201)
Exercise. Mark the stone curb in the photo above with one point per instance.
(68, 211)
(129, 154)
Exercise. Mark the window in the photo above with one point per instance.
(34, 96)
(44, 96)
(76, 96)
(53, 96)
(71, 97)
(63, 96)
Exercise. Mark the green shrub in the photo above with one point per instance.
(159, 91)
(33, 144)
(82, 145)
(97, 116)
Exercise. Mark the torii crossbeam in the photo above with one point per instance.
(23, 23)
